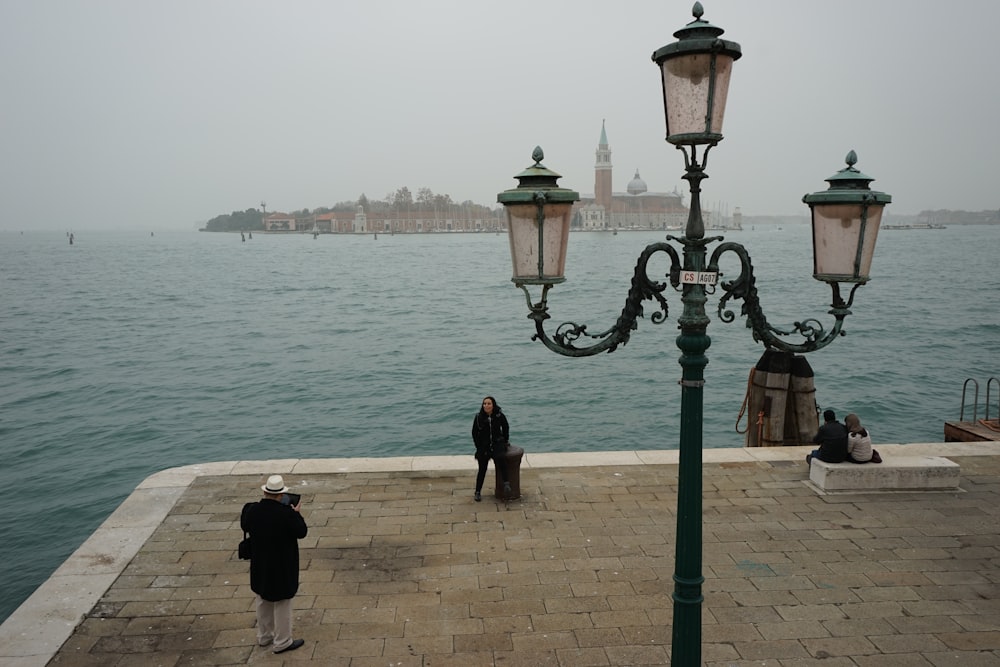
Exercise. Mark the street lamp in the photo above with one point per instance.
(538, 219)
(845, 219)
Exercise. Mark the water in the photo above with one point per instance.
(125, 354)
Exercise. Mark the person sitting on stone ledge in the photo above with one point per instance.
(859, 441)
(832, 440)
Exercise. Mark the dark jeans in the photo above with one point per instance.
(499, 460)
(816, 454)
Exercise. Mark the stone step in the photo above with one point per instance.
(893, 474)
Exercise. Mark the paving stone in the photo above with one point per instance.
(908, 643)
(791, 630)
(971, 641)
(963, 658)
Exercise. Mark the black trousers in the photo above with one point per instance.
(499, 460)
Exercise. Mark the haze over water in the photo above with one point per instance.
(126, 353)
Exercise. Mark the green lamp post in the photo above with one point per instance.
(845, 218)
(695, 74)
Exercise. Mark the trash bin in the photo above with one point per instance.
(513, 460)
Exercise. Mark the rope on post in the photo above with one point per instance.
(746, 400)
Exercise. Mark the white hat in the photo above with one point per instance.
(275, 484)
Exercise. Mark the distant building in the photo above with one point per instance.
(388, 222)
(636, 208)
(280, 222)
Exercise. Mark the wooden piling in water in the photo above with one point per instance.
(782, 401)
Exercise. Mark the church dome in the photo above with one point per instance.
(636, 186)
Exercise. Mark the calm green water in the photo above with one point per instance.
(125, 354)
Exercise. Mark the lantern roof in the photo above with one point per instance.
(698, 36)
(848, 185)
(537, 179)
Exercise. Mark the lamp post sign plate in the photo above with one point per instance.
(699, 277)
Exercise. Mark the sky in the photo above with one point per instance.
(122, 114)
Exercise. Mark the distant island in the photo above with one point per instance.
(938, 219)
(401, 212)
(607, 209)
(398, 212)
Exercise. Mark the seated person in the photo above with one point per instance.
(859, 441)
(832, 440)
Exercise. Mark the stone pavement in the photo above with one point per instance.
(402, 568)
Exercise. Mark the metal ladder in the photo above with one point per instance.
(975, 399)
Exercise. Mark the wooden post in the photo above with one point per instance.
(803, 403)
(776, 392)
(783, 389)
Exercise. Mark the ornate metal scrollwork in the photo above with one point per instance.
(744, 287)
(563, 341)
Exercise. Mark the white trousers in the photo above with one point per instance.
(274, 623)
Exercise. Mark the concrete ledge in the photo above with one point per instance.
(895, 473)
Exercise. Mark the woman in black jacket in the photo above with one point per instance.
(490, 433)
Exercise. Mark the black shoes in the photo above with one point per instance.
(506, 491)
(291, 647)
(809, 459)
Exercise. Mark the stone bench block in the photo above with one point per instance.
(894, 473)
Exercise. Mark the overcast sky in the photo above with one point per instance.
(161, 115)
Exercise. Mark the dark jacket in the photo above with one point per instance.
(490, 432)
(275, 530)
(832, 441)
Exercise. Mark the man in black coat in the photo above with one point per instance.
(832, 440)
(275, 529)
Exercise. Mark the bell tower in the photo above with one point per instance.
(602, 174)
